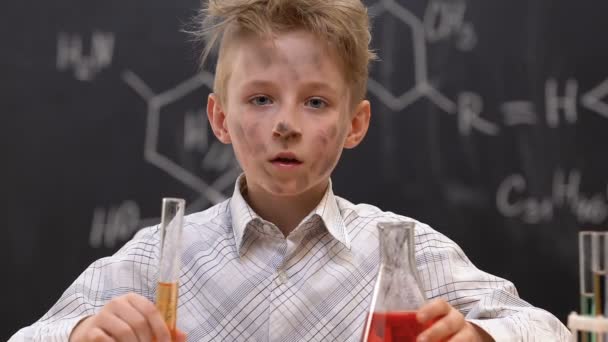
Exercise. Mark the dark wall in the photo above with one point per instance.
(489, 123)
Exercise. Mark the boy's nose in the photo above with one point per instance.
(285, 131)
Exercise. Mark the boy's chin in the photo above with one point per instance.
(284, 190)
(292, 189)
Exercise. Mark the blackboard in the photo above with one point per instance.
(490, 122)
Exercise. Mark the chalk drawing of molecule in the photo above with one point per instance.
(194, 157)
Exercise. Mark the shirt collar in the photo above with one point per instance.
(327, 210)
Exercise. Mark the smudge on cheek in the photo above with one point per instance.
(331, 140)
(239, 135)
(328, 136)
(247, 144)
(253, 148)
(333, 131)
(255, 140)
(240, 146)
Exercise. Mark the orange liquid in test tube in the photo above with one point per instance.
(170, 261)
(166, 302)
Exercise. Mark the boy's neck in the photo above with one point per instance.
(286, 212)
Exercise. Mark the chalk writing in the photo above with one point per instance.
(513, 201)
(115, 225)
(70, 54)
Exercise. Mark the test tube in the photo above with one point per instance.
(171, 227)
(598, 266)
(587, 296)
(600, 271)
(585, 246)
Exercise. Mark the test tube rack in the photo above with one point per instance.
(578, 323)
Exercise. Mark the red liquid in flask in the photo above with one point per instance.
(395, 327)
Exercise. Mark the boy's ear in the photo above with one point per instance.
(359, 123)
(217, 119)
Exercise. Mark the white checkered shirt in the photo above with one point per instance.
(242, 280)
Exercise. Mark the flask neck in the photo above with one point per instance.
(396, 247)
(398, 286)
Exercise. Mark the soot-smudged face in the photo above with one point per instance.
(287, 112)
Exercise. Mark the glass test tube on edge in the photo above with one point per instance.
(585, 247)
(171, 227)
(599, 265)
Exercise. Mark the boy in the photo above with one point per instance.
(285, 259)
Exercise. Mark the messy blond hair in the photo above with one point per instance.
(342, 23)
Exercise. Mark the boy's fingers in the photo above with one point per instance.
(98, 335)
(180, 336)
(116, 328)
(432, 310)
(447, 326)
(464, 335)
(152, 315)
(138, 323)
(84, 329)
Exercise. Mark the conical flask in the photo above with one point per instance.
(398, 292)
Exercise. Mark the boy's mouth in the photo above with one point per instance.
(286, 158)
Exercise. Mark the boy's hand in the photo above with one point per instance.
(450, 324)
(129, 318)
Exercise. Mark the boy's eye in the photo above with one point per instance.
(316, 103)
(261, 100)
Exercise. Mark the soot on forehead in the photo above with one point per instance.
(267, 51)
(259, 56)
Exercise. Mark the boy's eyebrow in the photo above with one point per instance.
(309, 86)
(322, 87)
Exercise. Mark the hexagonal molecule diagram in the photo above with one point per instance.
(442, 20)
(180, 142)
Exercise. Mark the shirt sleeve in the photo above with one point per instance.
(490, 302)
(132, 269)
